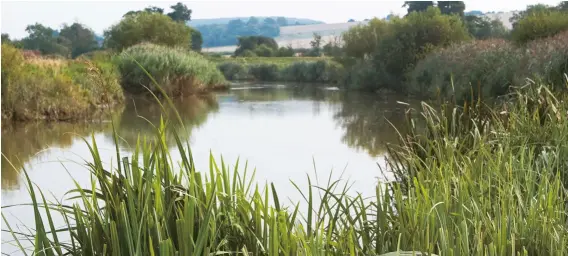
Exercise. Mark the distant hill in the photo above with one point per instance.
(224, 21)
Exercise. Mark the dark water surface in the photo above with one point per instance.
(282, 132)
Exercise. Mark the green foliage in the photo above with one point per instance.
(483, 28)
(148, 27)
(417, 6)
(452, 7)
(264, 51)
(285, 52)
(6, 38)
(253, 42)
(410, 39)
(196, 40)
(80, 38)
(55, 89)
(179, 71)
(264, 72)
(540, 24)
(180, 13)
(362, 40)
(488, 68)
(234, 70)
(45, 40)
(322, 71)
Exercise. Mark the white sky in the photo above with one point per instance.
(99, 15)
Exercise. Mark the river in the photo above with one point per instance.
(284, 132)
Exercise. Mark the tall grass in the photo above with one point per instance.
(490, 66)
(37, 88)
(179, 71)
(470, 181)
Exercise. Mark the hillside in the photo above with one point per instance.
(224, 21)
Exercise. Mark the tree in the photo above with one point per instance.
(252, 21)
(180, 12)
(45, 40)
(252, 42)
(362, 40)
(282, 21)
(154, 9)
(351, 20)
(196, 40)
(452, 7)
(531, 10)
(316, 46)
(483, 28)
(417, 6)
(148, 27)
(80, 38)
(270, 21)
(6, 38)
(540, 24)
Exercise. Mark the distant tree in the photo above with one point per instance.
(316, 45)
(80, 38)
(286, 51)
(264, 51)
(252, 21)
(154, 9)
(148, 27)
(196, 40)
(452, 7)
(252, 42)
(270, 21)
(563, 6)
(282, 21)
(531, 10)
(6, 38)
(417, 6)
(45, 40)
(180, 12)
(362, 40)
(351, 20)
(481, 27)
(297, 23)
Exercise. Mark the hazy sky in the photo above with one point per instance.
(99, 15)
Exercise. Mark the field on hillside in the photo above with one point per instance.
(280, 61)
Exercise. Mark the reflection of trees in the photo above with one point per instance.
(364, 118)
(141, 116)
(22, 141)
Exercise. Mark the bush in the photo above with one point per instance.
(264, 72)
(253, 42)
(285, 52)
(55, 89)
(264, 51)
(148, 27)
(408, 40)
(321, 71)
(489, 67)
(540, 24)
(177, 70)
(248, 53)
(234, 71)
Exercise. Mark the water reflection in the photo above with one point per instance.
(370, 121)
(141, 116)
(23, 141)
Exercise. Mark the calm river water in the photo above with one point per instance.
(282, 132)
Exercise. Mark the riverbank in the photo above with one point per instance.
(469, 181)
(36, 87)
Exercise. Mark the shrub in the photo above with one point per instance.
(321, 71)
(490, 66)
(264, 72)
(408, 41)
(285, 52)
(248, 53)
(264, 51)
(253, 42)
(148, 27)
(540, 24)
(233, 70)
(362, 40)
(177, 70)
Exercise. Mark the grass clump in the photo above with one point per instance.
(179, 71)
(41, 88)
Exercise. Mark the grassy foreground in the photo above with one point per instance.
(471, 180)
